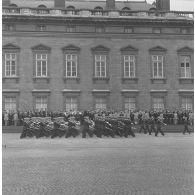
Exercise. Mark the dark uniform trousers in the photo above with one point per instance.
(186, 128)
(86, 130)
(128, 131)
(159, 129)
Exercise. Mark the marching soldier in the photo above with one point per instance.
(152, 125)
(159, 123)
(86, 124)
(128, 128)
(186, 125)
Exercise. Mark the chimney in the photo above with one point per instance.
(59, 4)
(6, 2)
(163, 5)
(110, 4)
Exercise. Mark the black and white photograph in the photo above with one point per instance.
(97, 97)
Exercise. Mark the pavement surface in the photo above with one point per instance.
(144, 165)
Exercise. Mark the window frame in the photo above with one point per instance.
(41, 60)
(41, 97)
(186, 108)
(71, 61)
(100, 61)
(129, 66)
(10, 65)
(41, 50)
(157, 62)
(7, 49)
(71, 103)
(135, 102)
(185, 68)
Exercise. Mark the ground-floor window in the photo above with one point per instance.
(158, 103)
(100, 103)
(41, 103)
(130, 104)
(10, 104)
(186, 103)
(71, 104)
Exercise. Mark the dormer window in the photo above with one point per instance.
(98, 11)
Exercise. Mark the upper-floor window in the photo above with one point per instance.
(99, 29)
(100, 65)
(41, 27)
(41, 65)
(157, 30)
(129, 65)
(70, 29)
(10, 64)
(41, 103)
(10, 27)
(10, 104)
(157, 66)
(71, 65)
(128, 30)
(185, 67)
(184, 30)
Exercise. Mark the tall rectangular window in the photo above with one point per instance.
(130, 104)
(41, 103)
(100, 103)
(10, 104)
(186, 103)
(41, 65)
(185, 67)
(71, 65)
(100, 65)
(158, 104)
(71, 104)
(157, 65)
(129, 66)
(10, 64)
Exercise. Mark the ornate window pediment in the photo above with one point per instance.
(71, 48)
(11, 46)
(158, 49)
(185, 50)
(41, 47)
(129, 48)
(100, 48)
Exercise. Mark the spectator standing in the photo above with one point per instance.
(15, 119)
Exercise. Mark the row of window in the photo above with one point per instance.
(72, 7)
(71, 103)
(100, 65)
(97, 29)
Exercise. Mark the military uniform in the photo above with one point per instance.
(186, 125)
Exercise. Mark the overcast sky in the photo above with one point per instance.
(181, 5)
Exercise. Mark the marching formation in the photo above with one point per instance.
(85, 124)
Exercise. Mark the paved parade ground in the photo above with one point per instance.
(145, 165)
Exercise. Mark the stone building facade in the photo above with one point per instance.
(78, 55)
